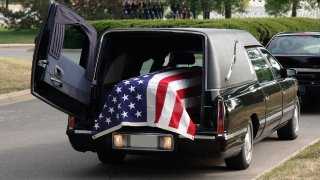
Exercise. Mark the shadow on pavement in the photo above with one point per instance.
(146, 167)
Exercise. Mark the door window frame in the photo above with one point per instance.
(270, 64)
(266, 61)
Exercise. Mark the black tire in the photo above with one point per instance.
(111, 157)
(243, 159)
(291, 130)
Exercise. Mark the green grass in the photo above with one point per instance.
(14, 75)
(305, 165)
(8, 36)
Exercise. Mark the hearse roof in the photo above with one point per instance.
(245, 38)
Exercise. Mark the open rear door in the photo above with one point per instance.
(57, 79)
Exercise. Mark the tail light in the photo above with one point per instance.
(71, 122)
(220, 116)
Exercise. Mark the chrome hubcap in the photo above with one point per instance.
(248, 145)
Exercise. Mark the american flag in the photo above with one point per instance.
(164, 99)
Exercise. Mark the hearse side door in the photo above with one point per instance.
(287, 86)
(270, 87)
(56, 78)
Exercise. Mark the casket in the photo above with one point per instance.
(166, 99)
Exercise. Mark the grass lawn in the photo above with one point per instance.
(14, 75)
(17, 37)
(305, 165)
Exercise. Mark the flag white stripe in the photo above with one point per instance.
(171, 94)
(184, 122)
(153, 87)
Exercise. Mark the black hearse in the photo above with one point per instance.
(244, 96)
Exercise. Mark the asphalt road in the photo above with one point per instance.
(26, 53)
(23, 53)
(34, 146)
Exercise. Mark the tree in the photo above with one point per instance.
(34, 11)
(277, 8)
(226, 7)
(97, 9)
(30, 16)
(229, 6)
(280, 8)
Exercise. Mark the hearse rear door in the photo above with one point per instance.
(57, 79)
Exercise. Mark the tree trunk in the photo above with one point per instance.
(7, 4)
(206, 11)
(228, 11)
(204, 14)
(294, 8)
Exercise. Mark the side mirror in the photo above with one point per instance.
(289, 73)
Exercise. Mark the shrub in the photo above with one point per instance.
(262, 28)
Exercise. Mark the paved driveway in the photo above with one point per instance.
(23, 53)
(34, 146)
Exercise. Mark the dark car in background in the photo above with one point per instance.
(301, 51)
(240, 92)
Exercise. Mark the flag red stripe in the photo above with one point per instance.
(162, 90)
(176, 114)
(191, 128)
(189, 92)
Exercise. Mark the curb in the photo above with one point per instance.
(287, 158)
(16, 45)
(13, 97)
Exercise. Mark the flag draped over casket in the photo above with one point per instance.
(160, 99)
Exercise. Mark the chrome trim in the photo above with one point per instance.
(276, 115)
(290, 108)
(233, 61)
(262, 121)
(230, 136)
(200, 137)
(82, 132)
(306, 70)
(97, 58)
(144, 149)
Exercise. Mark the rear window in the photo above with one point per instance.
(134, 54)
(295, 45)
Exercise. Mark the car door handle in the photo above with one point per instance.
(56, 82)
(58, 72)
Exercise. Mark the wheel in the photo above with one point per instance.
(243, 159)
(111, 157)
(291, 130)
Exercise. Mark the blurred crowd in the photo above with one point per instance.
(143, 10)
(183, 11)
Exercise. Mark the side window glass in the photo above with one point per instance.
(275, 65)
(73, 44)
(260, 66)
(146, 67)
(199, 59)
(198, 55)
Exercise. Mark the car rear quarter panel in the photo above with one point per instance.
(244, 103)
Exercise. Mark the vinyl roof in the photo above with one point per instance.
(242, 36)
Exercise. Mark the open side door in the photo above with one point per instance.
(57, 79)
